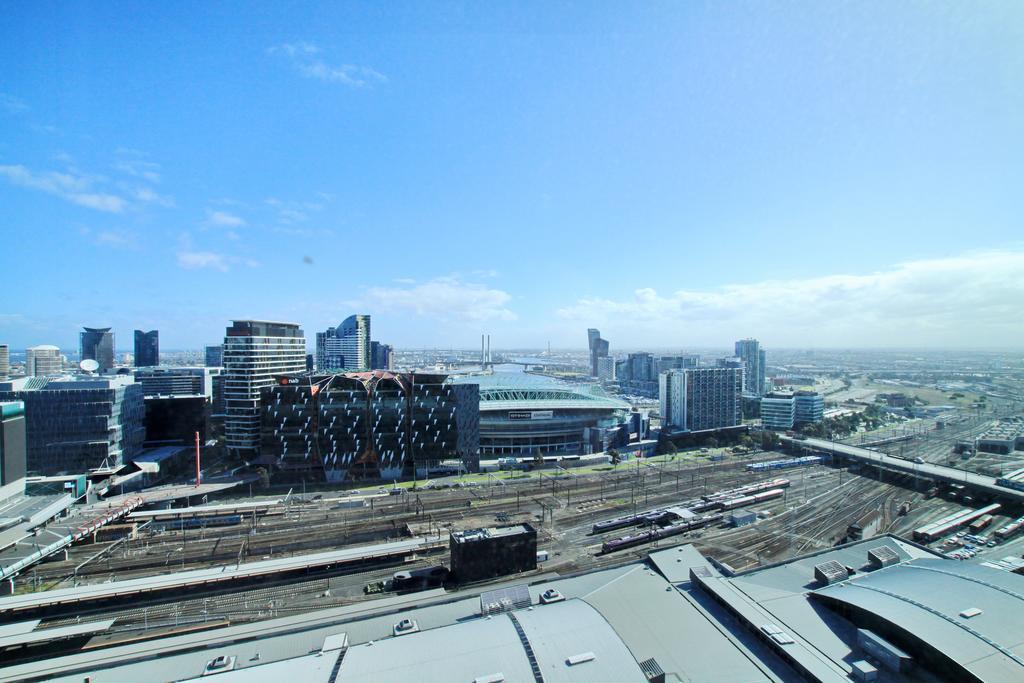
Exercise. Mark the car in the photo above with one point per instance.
(991, 544)
(405, 626)
(219, 664)
(551, 595)
(919, 461)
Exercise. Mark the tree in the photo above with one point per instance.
(264, 476)
(615, 457)
(769, 440)
(538, 460)
(711, 442)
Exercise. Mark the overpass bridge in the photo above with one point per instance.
(941, 473)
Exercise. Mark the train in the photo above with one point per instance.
(750, 500)
(1011, 529)
(197, 522)
(785, 464)
(715, 501)
(656, 534)
(1013, 480)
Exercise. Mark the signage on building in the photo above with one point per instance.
(531, 414)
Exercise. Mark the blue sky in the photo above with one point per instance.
(677, 174)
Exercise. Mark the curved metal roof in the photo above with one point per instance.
(522, 391)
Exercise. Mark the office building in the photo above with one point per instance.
(5, 361)
(43, 360)
(809, 407)
(369, 424)
(480, 554)
(178, 401)
(147, 348)
(380, 356)
(97, 343)
(778, 410)
(345, 347)
(12, 441)
(699, 399)
(255, 351)
(598, 349)
(214, 356)
(77, 423)
(750, 352)
(606, 369)
(666, 363)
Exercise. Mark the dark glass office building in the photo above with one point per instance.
(12, 441)
(97, 343)
(369, 424)
(147, 348)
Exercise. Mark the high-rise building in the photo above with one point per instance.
(254, 352)
(5, 361)
(598, 349)
(697, 399)
(380, 356)
(606, 369)
(43, 360)
(750, 352)
(345, 347)
(97, 343)
(147, 348)
(666, 363)
(370, 424)
(74, 424)
(214, 356)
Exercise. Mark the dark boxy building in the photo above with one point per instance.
(12, 441)
(74, 424)
(147, 348)
(97, 343)
(479, 554)
(179, 402)
(368, 424)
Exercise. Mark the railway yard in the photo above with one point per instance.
(798, 510)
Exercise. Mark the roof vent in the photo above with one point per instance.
(580, 658)
(970, 612)
(882, 556)
(830, 572)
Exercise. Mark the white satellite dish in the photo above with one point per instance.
(89, 365)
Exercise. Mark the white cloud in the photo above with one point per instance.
(139, 168)
(224, 219)
(972, 299)
(12, 104)
(443, 298)
(202, 259)
(71, 186)
(305, 59)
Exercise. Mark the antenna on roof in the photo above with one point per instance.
(89, 365)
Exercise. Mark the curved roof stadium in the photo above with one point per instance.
(522, 415)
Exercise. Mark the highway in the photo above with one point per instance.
(933, 471)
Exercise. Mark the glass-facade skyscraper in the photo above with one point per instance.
(147, 348)
(345, 347)
(750, 352)
(254, 352)
(214, 356)
(598, 349)
(97, 343)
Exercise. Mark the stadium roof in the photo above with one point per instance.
(523, 391)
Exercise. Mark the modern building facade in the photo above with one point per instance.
(753, 356)
(699, 399)
(480, 554)
(598, 349)
(523, 416)
(178, 402)
(5, 361)
(97, 343)
(12, 441)
(606, 369)
(786, 409)
(380, 356)
(345, 347)
(214, 356)
(147, 348)
(369, 425)
(43, 360)
(255, 352)
(76, 423)
(778, 410)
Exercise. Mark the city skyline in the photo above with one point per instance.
(493, 162)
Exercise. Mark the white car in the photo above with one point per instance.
(551, 595)
(405, 626)
(219, 664)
